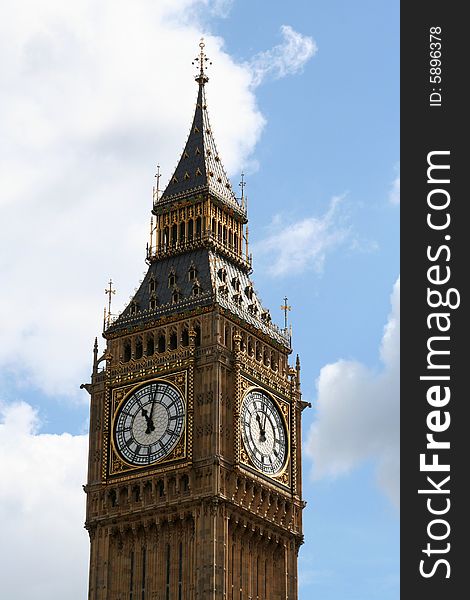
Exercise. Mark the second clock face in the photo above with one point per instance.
(149, 423)
(263, 432)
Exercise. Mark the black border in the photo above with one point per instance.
(426, 128)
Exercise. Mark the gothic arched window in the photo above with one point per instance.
(139, 348)
(192, 273)
(166, 238)
(161, 343)
(127, 351)
(197, 340)
(274, 361)
(150, 345)
(266, 358)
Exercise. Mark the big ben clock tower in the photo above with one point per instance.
(194, 485)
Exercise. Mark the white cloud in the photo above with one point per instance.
(290, 56)
(91, 98)
(44, 550)
(394, 194)
(358, 413)
(294, 247)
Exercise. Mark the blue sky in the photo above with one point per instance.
(94, 100)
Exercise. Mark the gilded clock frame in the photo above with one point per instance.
(282, 477)
(181, 453)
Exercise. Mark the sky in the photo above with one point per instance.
(303, 97)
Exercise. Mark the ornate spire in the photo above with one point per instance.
(202, 61)
(200, 169)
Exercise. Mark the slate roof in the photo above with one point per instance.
(200, 168)
(219, 281)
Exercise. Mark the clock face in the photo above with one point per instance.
(263, 432)
(149, 423)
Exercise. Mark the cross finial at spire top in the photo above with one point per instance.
(286, 308)
(202, 61)
(156, 188)
(107, 315)
(242, 184)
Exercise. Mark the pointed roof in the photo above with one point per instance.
(200, 169)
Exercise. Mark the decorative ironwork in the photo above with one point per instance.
(286, 308)
(202, 61)
(107, 316)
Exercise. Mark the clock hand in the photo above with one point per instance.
(262, 432)
(150, 425)
(264, 422)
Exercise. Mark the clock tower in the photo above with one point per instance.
(194, 487)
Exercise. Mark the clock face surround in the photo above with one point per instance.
(263, 432)
(149, 423)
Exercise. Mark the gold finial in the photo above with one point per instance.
(95, 356)
(286, 308)
(202, 61)
(242, 184)
(156, 188)
(150, 248)
(110, 292)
